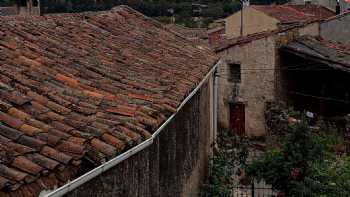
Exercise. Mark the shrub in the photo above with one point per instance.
(304, 164)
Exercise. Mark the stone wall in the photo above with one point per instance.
(337, 30)
(174, 165)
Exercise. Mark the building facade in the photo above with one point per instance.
(336, 28)
(252, 78)
(272, 17)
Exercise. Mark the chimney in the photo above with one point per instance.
(337, 8)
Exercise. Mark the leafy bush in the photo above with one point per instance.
(230, 153)
(304, 165)
(220, 180)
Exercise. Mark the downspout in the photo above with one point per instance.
(71, 186)
(215, 105)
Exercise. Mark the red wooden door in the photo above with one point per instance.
(237, 118)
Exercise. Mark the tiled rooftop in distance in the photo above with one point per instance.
(296, 13)
(78, 88)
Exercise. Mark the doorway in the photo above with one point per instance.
(237, 118)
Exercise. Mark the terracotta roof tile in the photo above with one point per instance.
(31, 142)
(86, 91)
(26, 165)
(103, 147)
(19, 148)
(29, 130)
(12, 174)
(17, 98)
(69, 81)
(10, 121)
(43, 161)
(38, 124)
(50, 139)
(77, 140)
(38, 98)
(9, 132)
(56, 155)
(110, 139)
(123, 110)
(18, 114)
(59, 133)
(70, 147)
(134, 136)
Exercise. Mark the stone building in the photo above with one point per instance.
(272, 17)
(103, 104)
(337, 28)
(252, 77)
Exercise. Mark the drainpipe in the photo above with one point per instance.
(242, 6)
(215, 111)
(71, 186)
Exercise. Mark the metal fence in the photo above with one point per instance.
(254, 190)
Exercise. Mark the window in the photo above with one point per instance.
(35, 3)
(235, 72)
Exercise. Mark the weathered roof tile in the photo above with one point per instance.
(26, 165)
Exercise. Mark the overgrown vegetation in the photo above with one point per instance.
(304, 163)
(230, 153)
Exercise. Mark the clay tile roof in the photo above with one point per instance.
(296, 13)
(346, 13)
(77, 88)
(333, 54)
(189, 32)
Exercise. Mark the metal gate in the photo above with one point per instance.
(254, 190)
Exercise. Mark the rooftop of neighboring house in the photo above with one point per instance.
(228, 43)
(334, 54)
(216, 29)
(82, 88)
(190, 33)
(7, 11)
(288, 13)
(346, 13)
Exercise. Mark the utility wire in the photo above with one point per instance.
(319, 97)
